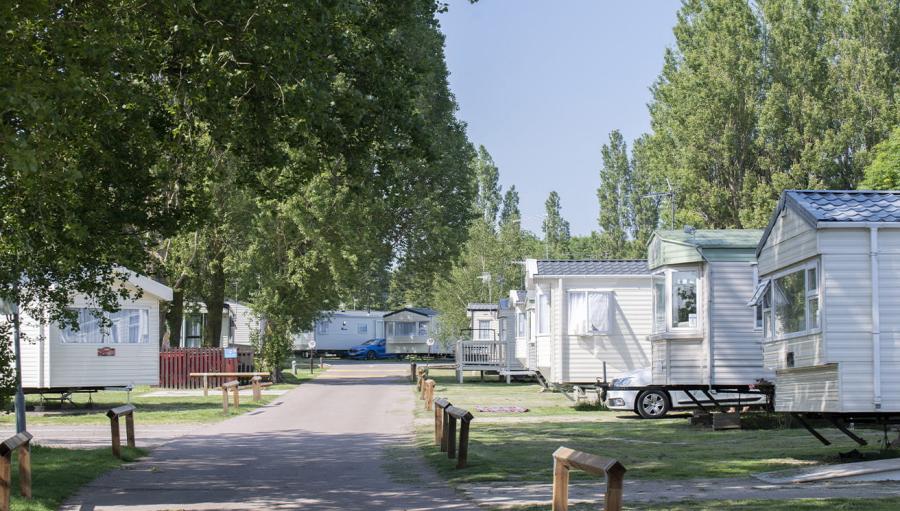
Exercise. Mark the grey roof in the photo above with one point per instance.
(423, 311)
(714, 238)
(482, 307)
(592, 267)
(847, 206)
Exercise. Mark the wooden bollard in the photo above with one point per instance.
(565, 459)
(20, 444)
(256, 381)
(412, 371)
(421, 379)
(464, 417)
(440, 406)
(114, 414)
(225, 388)
(429, 393)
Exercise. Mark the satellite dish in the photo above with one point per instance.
(312, 345)
(430, 341)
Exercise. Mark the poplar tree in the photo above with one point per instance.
(555, 228)
(616, 214)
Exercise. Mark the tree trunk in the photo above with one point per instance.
(215, 302)
(175, 316)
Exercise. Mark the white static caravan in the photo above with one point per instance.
(407, 330)
(829, 294)
(587, 312)
(521, 328)
(338, 331)
(703, 331)
(127, 353)
(242, 324)
(490, 321)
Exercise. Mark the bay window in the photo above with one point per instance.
(793, 307)
(543, 306)
(675, 300)
(684, 299)
(125, 326)
(588, 312)
(659, 302)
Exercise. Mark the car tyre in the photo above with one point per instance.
(370, 355)
(653, 404)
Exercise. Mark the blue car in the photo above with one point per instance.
(369, 350)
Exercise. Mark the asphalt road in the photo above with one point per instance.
(332, 443)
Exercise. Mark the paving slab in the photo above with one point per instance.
(331, 443)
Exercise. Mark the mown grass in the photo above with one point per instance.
(511, 450)
(57, 474)
(152, 410)
(886, 504)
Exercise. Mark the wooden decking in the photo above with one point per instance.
(489, 356)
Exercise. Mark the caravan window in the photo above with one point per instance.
(405, 328)
(423, 328)
(126, 326)
(659, 302)
(484, 332)
(322, 326)
(684, 299)
(388, 328)
(521, 322)
(795, 300)
(589, 312)
(543, 326)
(362, 328)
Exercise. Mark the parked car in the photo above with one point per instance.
(655, 403)
(369, 350)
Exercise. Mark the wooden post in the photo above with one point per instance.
(445, 431)
(129, 429)
(451, 437)
(440, 407)
(412, 371)
(237, 397)
(24, 453)
(560, 486)
(205, 385)
(463, 456)
(224, 400)
(565, 459)
(256, 381)
(4, 481)
(225, 388)
(429, 393)
(18, 443)
(114, 429)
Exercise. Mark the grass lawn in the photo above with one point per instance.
(506, 450)
(154, 410)
(59, 473)
(889, 504)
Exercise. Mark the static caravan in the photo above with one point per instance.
(520, 309)
(58, 359)
(490, 321)
(587, 313)
(338, 331)
(829, 296)
(407, 330)
(703, 331)
(242, 324)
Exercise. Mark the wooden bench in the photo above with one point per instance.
(565, 459)
(114, 413)
(19, 444)
(206, 377)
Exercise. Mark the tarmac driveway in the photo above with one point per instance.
(332, 443)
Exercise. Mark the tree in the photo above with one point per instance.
(509, 212)
(555, 228)
(615, 198)
(487, 202)
(645, 212)
(884, 171)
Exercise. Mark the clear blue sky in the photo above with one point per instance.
(541, 84)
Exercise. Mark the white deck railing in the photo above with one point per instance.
(483, 353)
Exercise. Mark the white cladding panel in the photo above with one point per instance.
(245, 323)
(808, 350)
(737, 351)
(791, 240)
(78, 365)
(624, 348)
(810, 390)
(33, 346)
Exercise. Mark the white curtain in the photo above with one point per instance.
(89, 330)
(544, 313)
(130, 326)
(598, 305)
(578, 317)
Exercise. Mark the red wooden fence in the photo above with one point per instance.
(176, 365)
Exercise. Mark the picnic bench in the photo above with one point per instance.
(207, 376)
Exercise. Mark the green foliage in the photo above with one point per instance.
(884, 171)
(7, 359)
(756, 99)
(487, 200)
(556, 229)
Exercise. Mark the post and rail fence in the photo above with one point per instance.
(428, 393)
(114, 414)
(565, 460)
(20, 445)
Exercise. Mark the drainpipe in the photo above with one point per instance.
(876, 318)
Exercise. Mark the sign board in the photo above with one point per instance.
(106, 352)
(230, 352)
(430, 341)
(312, 345)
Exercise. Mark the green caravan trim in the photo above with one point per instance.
(677, 247)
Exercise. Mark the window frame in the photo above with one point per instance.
(106, 332)
(808, 295)
(668, 327)
(587, 303)
(521, 324)
(541, 327)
